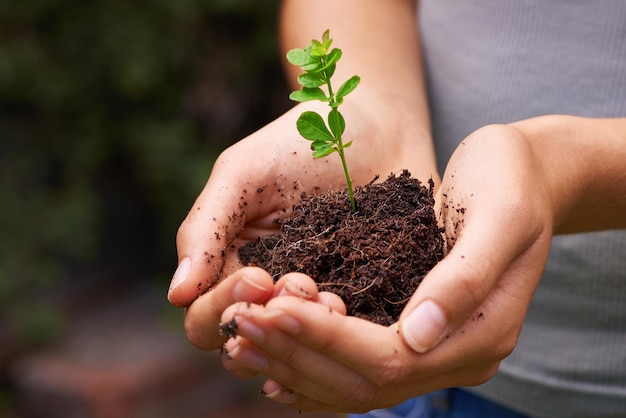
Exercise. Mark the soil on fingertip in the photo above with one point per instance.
(373, 258)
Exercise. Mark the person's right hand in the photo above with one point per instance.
(258, 180)
(462, 320)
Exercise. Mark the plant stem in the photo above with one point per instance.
(348, 179)
(339, 143)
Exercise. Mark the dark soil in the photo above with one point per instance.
(374, 258)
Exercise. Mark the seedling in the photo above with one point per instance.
(318, 64)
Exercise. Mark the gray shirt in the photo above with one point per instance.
(497, 61)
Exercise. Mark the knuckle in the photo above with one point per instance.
(286, 376)
(202, 336)
(195, 337)
(292, 358)
(366, 394)
(391, 373)
(475, 279)
(285, 371)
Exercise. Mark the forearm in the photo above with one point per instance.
(584, 165)
(379, 39)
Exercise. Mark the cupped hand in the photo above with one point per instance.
(316, 358)
(238, 355)
(246, 286)
(257, 181)
(461, 322)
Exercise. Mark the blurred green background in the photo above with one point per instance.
(111, 115)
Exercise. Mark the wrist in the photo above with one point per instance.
(583, 166)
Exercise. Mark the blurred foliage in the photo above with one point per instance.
(111, 113)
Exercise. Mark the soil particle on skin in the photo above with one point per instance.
(374, 258)
(229, 328)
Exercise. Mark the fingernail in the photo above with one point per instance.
(243, 286)
(425, 327)
(249, 357)
(283, 321)
(272, 394)
(250, 330)
(232, 353)
(271, 389)
(181, 273)
(289, 289)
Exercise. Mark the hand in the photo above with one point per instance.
(257, 181)
(241, 358)
(499, 219)
(316, 358)
(246, 286)
(243, 200)
(462, 321)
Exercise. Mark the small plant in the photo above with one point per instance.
(318, 64)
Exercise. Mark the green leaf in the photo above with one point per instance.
(312, 127)
(310, 80)
(336, 122)
(347, 88)
(304, 59)
(313, 65)
(334, 56)
(316, 49)
(326, 38)
(322, 149)
(307, 94)
(331, 59)
(298, 57)
(330, 71)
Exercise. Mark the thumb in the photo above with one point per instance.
(202, 244)
(241, 201)
(454, 289)
(230, 210)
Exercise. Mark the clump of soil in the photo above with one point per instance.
(374, 258)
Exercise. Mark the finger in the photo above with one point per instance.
(291, 284)
(202, 318)
(354, 342)
(204, 243)
(296, 284)
(353, 368)
(468, 376)
(231, 206)
(302, 285)
(485, 261)
(244, 360)
(491, 220)
(241, 358)
(301, 333)
(281, 394)
(363, 346)
(277, 355)
(333, 301)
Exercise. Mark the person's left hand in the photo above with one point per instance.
(461, 322)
